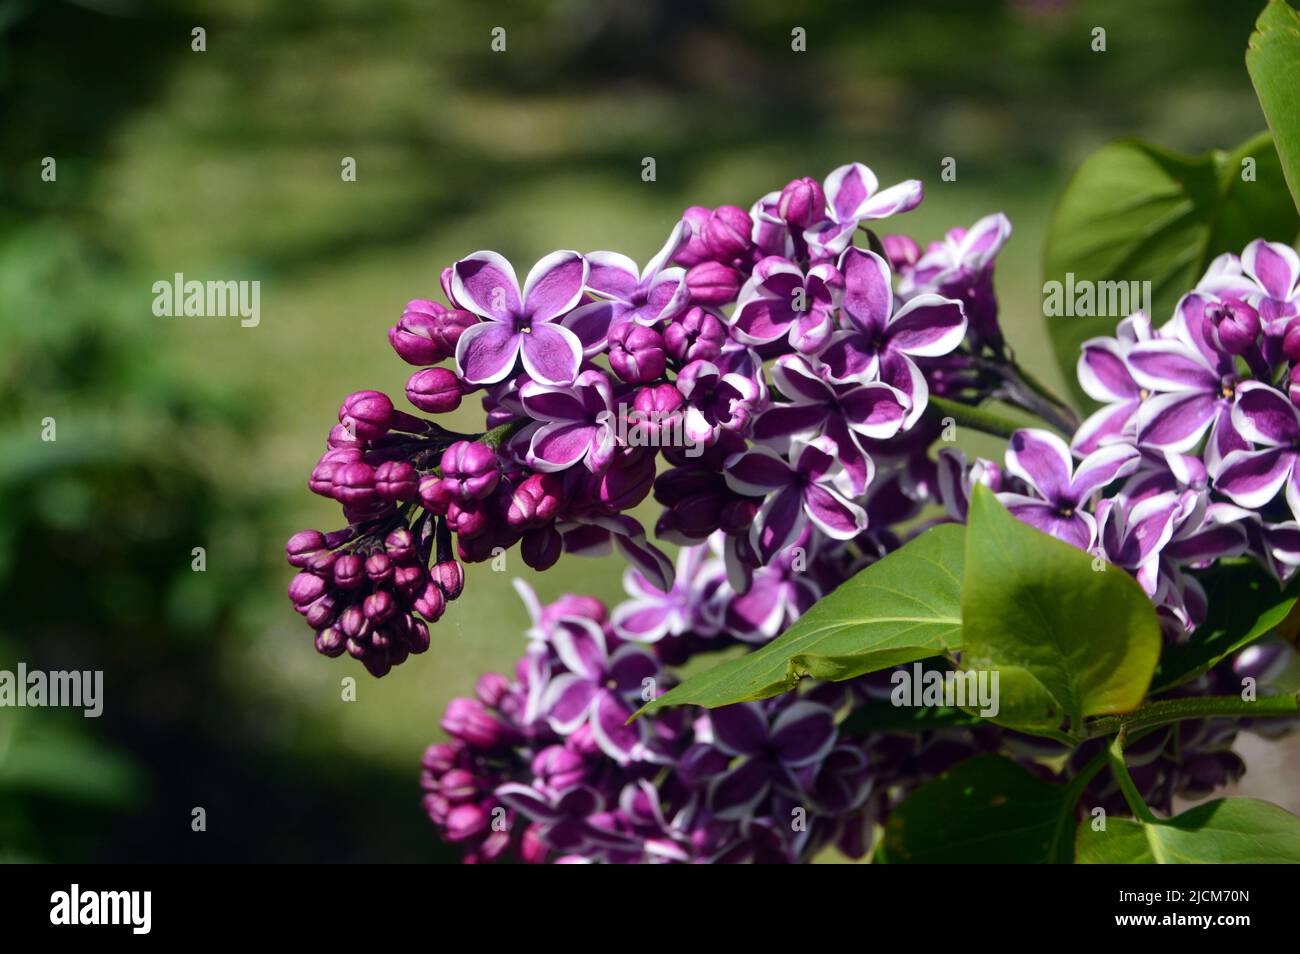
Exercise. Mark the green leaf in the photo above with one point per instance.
(987, 810)
(1225, 831)
(1134, 212)
(1245, 603)
(897, 610)
(1066, 640)
(1273, 61)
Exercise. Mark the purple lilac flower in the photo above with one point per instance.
(881, 341)
(1061, 490)
(780, 300)
(519, 323)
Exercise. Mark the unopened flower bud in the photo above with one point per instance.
(696, 335)
(434, 390)
(305, 589)
(727, 233)
(396, 480)
(802, 203)
(636, 353)
(367, 413)
(901, 251)
(712, 283)
(541, 548)
(330, 642)
(349, 571)
(302, 545)
(1233, 325)
(491, 688)
(450, 578)
(695, 249)
(431, 602)
(534, 501)
(354, 485)
(471, 469)
(470, 721)
(413, 337)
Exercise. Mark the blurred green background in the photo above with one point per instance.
(225, 164)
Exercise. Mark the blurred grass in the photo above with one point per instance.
(225, 164)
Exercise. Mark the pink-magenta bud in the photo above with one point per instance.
(330, 642)
(305, 589)
(491, 688)
(413, 337)
(901, 251)
(802, 203)
(354, 484)
(367, 413)
(695, 249)
(727, 233)
(434, 494)
(535, 501)
(712, 283)
(467, 519)
(434, 390)
(379, 606)
(698, 335)
(1233, 325)
(379, 568)
(471, 468)
(450, 578)
(396, 480)
(300, 547)
(400, 546)
(349, 571)
(431, 602)
(636, 353)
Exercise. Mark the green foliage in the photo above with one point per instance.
(1135, 212)
(1225, 831)
(1273, 61)
(902, 608)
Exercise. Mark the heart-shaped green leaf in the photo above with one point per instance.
(904, 607)
(1069, 636)
(1273, 61)
(1134, 212)
(987, 810)
(1226, 831)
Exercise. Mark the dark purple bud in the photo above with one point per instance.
(357, 647)
(541, 548)
(636, 353)
(471, 470)
(413, 337)
(330, 642)
(802, 203)
(491, 688)
(378, 607)
(305, 589)
(322, 612)
(698, 335)
(409, 580)
(465, 822)
(379, 568)
(400, 546)
(622, 488)
(434, 494)
(322, 475)
(900, 250)
(712, 283)
(353, 622)
(535, 501)
(727, 233)
(450, 578)
(1233, 325)
(468, 519)
(302, 545)
(695, 249)
(396, 480)
(435, 390)
(367, 414)
(354, 485)
(737, 516)
(1291, 342)
(417, 636)
(451, 326)
(349, 571)
(431, 603)
(470, 721)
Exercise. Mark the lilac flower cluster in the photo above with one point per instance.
(1192, 456)
(766, 376)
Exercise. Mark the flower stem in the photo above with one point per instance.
(976, 418)
(1138, 805)
(1168, 711)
